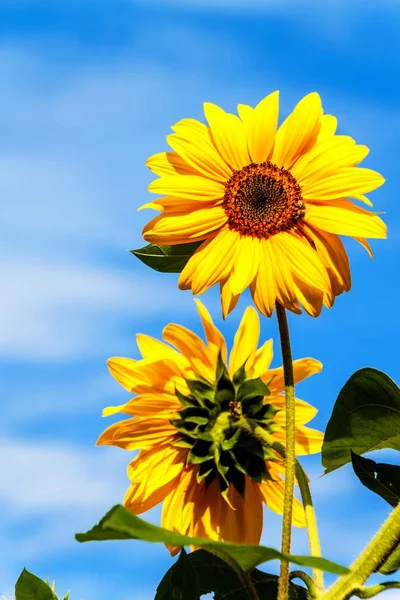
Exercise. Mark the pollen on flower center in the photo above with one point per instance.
(262, 199)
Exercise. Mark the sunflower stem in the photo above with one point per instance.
(311, 521)
(370, 559)
(283, 589)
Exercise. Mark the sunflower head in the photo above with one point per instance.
(266, 204)
(216, 423)
(194, 418)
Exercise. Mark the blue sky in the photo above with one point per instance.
(89, 90)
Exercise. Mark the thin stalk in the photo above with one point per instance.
(311, 521)
(369, 560)
(283, 588)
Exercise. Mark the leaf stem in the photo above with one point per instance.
(312, 590)
(283, 589)
(369, 560)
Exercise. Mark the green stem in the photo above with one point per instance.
(311, 521)
(370, 592)
(312, 590)
(283, 589)
(369, 560)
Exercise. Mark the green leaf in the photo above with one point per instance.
(381, 478)
(215, 576)
(166, 259)
(179, 582)
(366, 417)
(30, 587)
(120, 524)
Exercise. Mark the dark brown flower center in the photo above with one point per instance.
(262, 199)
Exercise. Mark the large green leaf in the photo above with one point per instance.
(120, 524)
(30, 587)
(381, 478)
(166, 259)
(366, 417)
(180, 581)
(216, 576)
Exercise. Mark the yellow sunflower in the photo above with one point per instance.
(193, 420)
(267, 203)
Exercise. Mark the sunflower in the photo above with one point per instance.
(193, 420)
(267, 204)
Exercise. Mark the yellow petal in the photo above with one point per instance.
(345, 218)
(171, 204)
(328, 127)
(153, 474)
(263, 286)
(365, 245)
(244, 524)
(285, 290)
(302, 368)
(258, 364)
(144, 433)
(246, 113)
(301, 259)
(143, 375)
(182, 227)
(334, 257)
(228, 135)
(169, 163)
(190, 187)
(245, 263)
(304, 411)
(273, 492)
(215, 339)
(298, 133)
(327, 163)
(308, 441)
(192, 141)
(228, 300)
(154, 349)
(246, 339)
(178, 506)
(346, 182)
(192, 347)
(262, 128)
(211, 263)
(148, 405)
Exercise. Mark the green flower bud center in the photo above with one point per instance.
(216, 425)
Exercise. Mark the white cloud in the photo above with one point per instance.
(57, 310)
(45, 477)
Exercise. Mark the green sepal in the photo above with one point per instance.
(182, 443)
(205, 469)
(265, 413)
(252, 388)
(225, 390)
(230, 442)
(201, 392)
(185, 400)
(239, 376)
